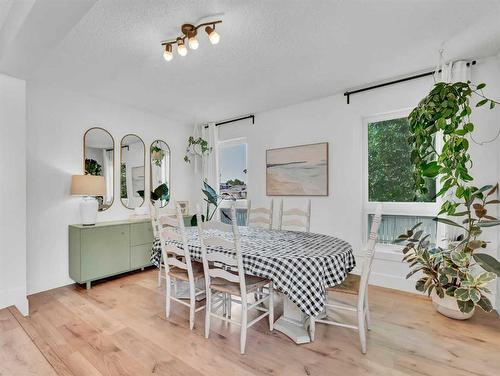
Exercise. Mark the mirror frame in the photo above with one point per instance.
(144, 157)
(114, 160)
(151, 171)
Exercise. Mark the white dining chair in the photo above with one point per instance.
(356, 285)
(260, 216)
(155, 213)
(295, 219)
(178, 264)
(221, 282)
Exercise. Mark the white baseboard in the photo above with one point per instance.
(15, 297)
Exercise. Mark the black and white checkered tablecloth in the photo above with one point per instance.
(301, 265)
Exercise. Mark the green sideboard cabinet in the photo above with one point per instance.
(108, 248)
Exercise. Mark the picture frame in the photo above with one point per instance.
(301, 170)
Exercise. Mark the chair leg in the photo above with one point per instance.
(271, 307)
(312, 328)
(229, 308)
(362, 330)
(192, 305)
(167, 295)
(159, 276)
(208, 311)
(368, 319)
(243, 334)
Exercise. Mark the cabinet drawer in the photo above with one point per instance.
(104, 251)
(140, 255)
(141, 233)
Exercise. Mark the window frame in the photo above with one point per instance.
(241, 203)
(423, 209)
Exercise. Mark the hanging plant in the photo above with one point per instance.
(196, 147)
(92, 167)
(451, 271)
(157, 155)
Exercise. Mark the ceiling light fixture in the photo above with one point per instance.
(168, 55)
(190, 32)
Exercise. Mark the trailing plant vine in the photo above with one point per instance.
(197, 146)
(446, 112)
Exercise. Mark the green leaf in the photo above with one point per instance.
(492, 105)
(489, 223)
(481, 86)
(485, 304)
(450, 291)
(481, 102)
(475, 295)
(484, 278)
(430, 170)
(448, 222)
(487, 262)
(465, 306)
(462, 294)
(459, 258)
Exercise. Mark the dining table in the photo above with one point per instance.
(302, 265)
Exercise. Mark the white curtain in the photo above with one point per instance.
(211, 161)
(107, 157)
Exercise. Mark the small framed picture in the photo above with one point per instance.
(184, 207)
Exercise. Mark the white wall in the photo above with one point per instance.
(13, 193)
(56, 122)
(331, 119)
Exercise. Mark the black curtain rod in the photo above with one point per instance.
(233, 120)
(349, 93)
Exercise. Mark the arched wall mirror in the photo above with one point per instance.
(99, 160)
(132, 171)
(159, 153)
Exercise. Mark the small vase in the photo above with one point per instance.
(448, 307)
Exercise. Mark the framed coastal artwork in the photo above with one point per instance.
(297, 170)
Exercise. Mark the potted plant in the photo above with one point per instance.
(452, 274)
(92, 167)
(196, 147)
(211, 198)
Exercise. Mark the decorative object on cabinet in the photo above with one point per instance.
(89, 187)
(132, 177)
(99, 160)
(297, 170)
(108, 248)
(184, 205)
(160, 173)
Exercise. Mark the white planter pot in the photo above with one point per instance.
(448, 307)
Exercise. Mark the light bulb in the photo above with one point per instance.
(181, 48)
(193, 43)
(168, 55)
(212, 35)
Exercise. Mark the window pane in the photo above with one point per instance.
(241, 216)
(390, 177)
(394, 225)
(232, 171)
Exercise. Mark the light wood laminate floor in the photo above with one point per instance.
(119, 328)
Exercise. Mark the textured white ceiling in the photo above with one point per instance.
(271, 53)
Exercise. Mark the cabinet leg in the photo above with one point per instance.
(88, 285)
(142, 269)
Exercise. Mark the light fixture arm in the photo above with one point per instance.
(192, 28)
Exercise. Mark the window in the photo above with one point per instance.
(233, 177)
(389, 179)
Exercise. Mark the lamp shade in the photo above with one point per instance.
(88, 185)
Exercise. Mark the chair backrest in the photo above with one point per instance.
(155, 212)
(219, 254)
(295, 219)
(174, 245)
(370, 253)
(260, 217)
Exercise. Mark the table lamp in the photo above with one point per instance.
(88, 186)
